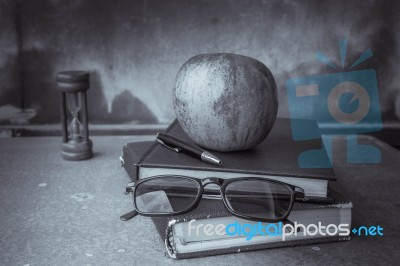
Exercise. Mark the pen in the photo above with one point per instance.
(178, 145)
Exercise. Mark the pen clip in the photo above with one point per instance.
(169, 147)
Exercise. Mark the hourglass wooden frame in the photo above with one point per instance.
(76, 144)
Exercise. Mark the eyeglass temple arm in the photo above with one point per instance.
(299, 194)
(287, 221)
(129, 215)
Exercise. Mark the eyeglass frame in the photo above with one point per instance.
(296, 193)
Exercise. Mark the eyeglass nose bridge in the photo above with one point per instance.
(212, 180)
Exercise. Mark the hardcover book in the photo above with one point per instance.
(195, 234)
(275, 158)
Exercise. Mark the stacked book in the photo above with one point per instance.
(276, 158)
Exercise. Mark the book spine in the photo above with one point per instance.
(152, 146)
(131, 154)
(128, 162)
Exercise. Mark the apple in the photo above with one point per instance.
(225, 102)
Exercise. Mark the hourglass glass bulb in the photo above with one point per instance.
(74, 104)
(76, 127)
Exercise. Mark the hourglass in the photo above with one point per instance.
(76, 144)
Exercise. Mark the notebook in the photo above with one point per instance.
(275, 158)
(202, 232)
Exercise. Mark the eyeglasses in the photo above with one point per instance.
(251, 198)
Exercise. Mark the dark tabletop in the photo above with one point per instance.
(56, 212)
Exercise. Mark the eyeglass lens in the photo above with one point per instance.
(166, 194)
(258, 198)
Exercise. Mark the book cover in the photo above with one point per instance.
(275, 158)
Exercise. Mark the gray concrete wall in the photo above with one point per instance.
(10, 79)
(134, 48)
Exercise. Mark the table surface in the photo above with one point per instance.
(56, 212)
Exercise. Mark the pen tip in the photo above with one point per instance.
(208, 157)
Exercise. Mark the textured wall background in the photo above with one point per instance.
(10, 82)
(135, 48)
